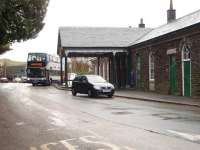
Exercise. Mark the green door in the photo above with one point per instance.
(172, 74)
(138, 70)
(187, 85)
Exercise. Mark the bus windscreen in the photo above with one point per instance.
(36, 57)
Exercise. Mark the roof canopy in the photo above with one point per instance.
(95, 41)
(99, 37)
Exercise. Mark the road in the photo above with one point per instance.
(45, 118)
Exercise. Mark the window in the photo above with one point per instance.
(186, 53)
(151, 67)
(36, 57)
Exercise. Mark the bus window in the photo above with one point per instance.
(36, 57)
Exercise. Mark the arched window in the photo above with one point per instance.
(151, 67)
(186, 70)
(186, 53)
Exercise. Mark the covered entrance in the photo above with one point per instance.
(117, 70)
(98, 43)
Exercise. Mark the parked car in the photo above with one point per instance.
(24, 79)
(17, 79)
(93, 85)
(3, 80)
(71, 77)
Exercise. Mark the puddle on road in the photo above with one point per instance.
(20, 123)
(169, 116)
(57, 122)
(122, 109)
(122, 113)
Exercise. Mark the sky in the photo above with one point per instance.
(97, 13)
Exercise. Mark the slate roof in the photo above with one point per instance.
(178, 24)
(121, 37)
(99, 36)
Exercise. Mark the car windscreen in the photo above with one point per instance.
(95, 79)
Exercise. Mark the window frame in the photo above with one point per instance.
(151, 74)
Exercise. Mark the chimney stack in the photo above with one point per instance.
(141, 25)
(171, 13)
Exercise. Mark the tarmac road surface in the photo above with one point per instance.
(45, 118)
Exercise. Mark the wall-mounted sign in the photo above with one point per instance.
(171, 51)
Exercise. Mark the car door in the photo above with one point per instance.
(75, 84)
(83, 85)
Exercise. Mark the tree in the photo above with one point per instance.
(80, 66)
(20, 20)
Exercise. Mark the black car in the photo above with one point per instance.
(93, 85)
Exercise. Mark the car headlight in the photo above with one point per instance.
(96, 87)
(112, 87)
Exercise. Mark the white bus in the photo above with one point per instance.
(43, 68)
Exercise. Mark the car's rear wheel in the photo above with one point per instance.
(74, 92)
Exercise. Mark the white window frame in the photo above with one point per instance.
(183, 75)
(150, 67)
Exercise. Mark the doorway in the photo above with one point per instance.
(172, 74)
(138, 70)
(186, 71)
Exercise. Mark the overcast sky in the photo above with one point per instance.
(111, 13)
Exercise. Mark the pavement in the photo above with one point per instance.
(155, 97)
(150, 96)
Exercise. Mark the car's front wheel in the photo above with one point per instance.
(90, 93)
(74, 92)
(110, 95)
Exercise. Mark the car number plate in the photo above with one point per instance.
(106, 91)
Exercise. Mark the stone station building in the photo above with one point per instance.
(164, 60)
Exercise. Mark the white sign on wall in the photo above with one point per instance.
(171, 51)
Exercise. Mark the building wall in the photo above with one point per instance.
(160, 49)
(195, 65)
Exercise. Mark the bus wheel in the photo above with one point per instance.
(33, 84)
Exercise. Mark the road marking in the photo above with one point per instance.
(57, 122)
(45, 146)
(52, 129)
(128, 148)
(86, 140)
(68, 145)
(95, 134)
(33, 148)
(20, 123)
(191, 137)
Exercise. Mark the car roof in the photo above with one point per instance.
(88, 75)
(92, 75)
